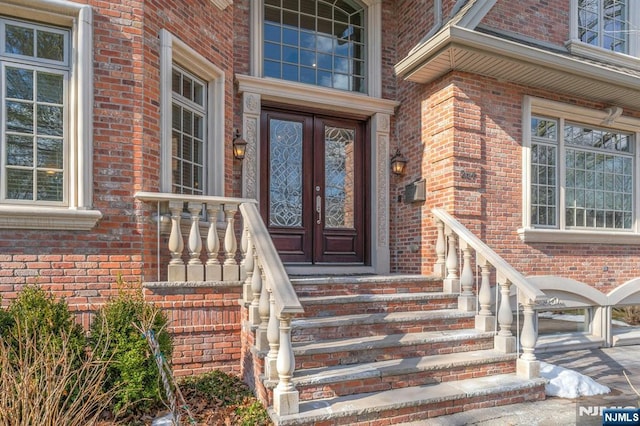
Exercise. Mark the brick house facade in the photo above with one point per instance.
(454, 85)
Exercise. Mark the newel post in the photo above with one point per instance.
(528, 366)
(505, 341)
(177, 269)
(485, 320)
(285, 395)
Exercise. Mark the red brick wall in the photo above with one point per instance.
(542, 20)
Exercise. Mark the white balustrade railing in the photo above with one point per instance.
(267, 291)
(452, 235)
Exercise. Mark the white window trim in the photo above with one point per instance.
(547, 108)
(374, 43)
(175, 50)
(580, 48)
(77, 215)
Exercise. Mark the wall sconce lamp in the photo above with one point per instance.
(239, 145)
(398, 163)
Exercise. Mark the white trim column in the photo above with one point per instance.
(251, 131)
(380, 253)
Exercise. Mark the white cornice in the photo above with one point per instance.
(299, 94)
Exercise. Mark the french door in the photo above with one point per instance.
(313, 186)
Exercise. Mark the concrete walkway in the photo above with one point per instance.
(603, 365)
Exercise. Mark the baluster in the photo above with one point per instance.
(485, 321)
(273, 335)
(262, 344)
(505, 341)
(195, 269)
(452, 282)
(440, 268)
(250, 256)
(285, 395)
(177, 269)
(256, 288)
(466, 300)
(230, 269)
(213, 269)
(528, 366)
(244, 246)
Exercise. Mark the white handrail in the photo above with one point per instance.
(529, 290)
(286, 299)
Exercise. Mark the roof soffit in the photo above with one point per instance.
(461, 49)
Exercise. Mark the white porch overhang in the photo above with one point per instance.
(459, 49)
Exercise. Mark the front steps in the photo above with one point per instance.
(391, 349)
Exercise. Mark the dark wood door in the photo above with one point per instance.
(313, 187)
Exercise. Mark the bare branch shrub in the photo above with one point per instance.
(44, 382)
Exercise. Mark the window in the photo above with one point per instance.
(605, 30)
(46, 116)
(35, 70)
(598, 175)
(604, 23)
(315, 42)
(580, 171)
(192, 107)
(188, 143)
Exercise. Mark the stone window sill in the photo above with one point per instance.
(529, 235)
(50, 218)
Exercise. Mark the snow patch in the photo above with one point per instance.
(566, 383)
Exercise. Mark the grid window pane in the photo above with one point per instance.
(34, 103)
(319, 35)
(604, 23)
(188, 144)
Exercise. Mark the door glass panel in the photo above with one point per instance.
(339, 182)
(285, 165)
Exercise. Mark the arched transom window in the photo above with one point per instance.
(320, 42)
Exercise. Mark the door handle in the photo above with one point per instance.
(319, 209)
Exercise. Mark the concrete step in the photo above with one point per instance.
(417, 402)
(329, 382)
(323, 306)
(395, 346)
(359, 284)
(379, 324)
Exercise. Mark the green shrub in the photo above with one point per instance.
(35, 312)
(133, 369)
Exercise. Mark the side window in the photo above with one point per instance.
(188, 133)
(316, 42)
(192, 96)
(35, 75)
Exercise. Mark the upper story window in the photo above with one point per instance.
(320, 42)
(581, 169)
(604, 23)
(35, 72)
(605, 30)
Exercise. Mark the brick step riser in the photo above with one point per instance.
(377, 384)
(321, 333)
(396, 352)
(335, 309)
(343, 289)
(430, 410)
